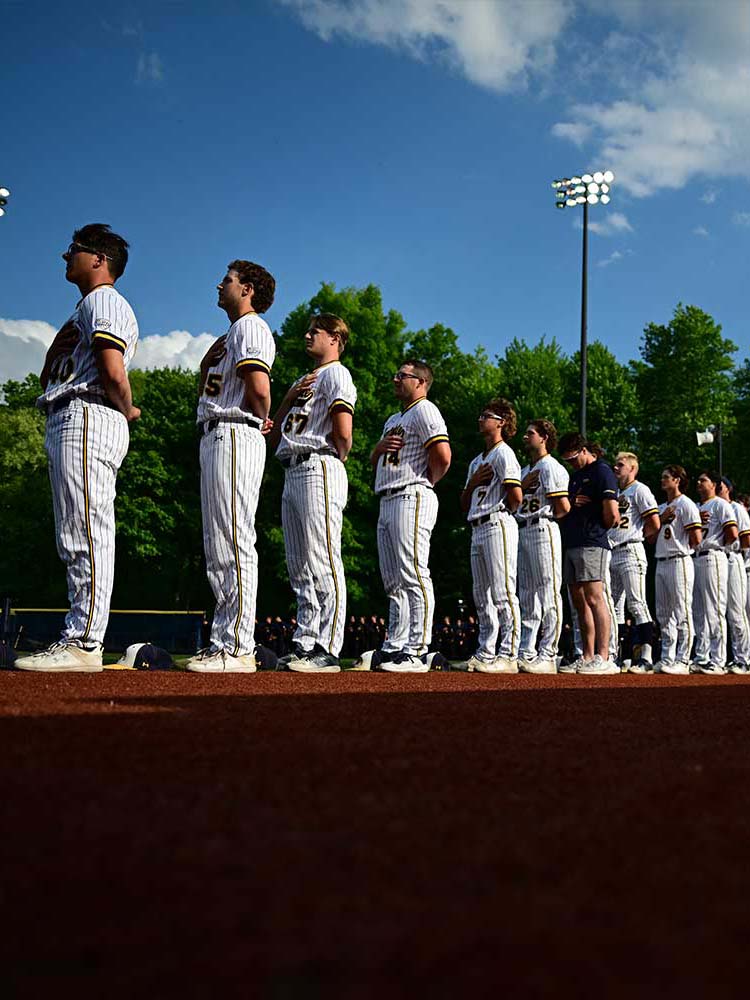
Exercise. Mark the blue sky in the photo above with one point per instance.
(410, 143)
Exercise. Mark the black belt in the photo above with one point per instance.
(210, 425)
(287, 463)
(60, 404)
(485, 518)
(707, 552)
(528, 522)
(633, 541)
(393, 492)
(679, 555)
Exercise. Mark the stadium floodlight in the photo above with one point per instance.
(584, 189)
(4, 195)
(710, 435)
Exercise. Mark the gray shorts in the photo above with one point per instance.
(585, 565)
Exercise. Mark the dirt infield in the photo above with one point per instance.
(360, 835)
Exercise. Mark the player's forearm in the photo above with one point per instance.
(117, 389)
(610, 514)
(513, 498)
(560, 507)
(342, 443)
(438, 464)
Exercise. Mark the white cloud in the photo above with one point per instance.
(178, 349)
(150, 68)
(612, 224)
(494, 45)
(681, 112)
(23, 345)
(576, 132)
(741, 218)
(612, 259)
(710, 196)
(700, 231)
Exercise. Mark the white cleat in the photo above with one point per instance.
(538, 666)
(218, 661)
(68, 655)
(505, 665)
(482, 666)
(674, 669)
(712, 670)
(598, 667)
(738, 669)
(405, 663)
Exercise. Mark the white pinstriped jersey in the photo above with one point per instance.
(421, 425)
(506, 472)
(635, 503)
(308, 425)
(102, 317)
(743, 525)
(248, 347)
(541, 483)
(673, 538)
(715, 515)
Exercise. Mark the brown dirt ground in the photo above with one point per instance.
(360, 836)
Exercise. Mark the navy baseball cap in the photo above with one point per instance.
(144, 656)
(265, 658)
(728, 483)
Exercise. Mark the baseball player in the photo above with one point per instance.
(544, 486)
(679, 534)
(639, 519)
(490, 498)
(593, 511)
(312, 433)
(234, 400)
(89, 406)
(719, 528)
(413, 454)
(744, 499)
(737, 620)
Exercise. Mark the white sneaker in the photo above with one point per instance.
(537, 666)
(505, 665)
(598, 666)
(474, 663)
(738, 669)
(570, 668)
(218, 661)
(65, 655)
(667, 667)
(405, 663)
(712, 669)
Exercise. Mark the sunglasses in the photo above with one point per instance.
(400, 376)
(75, 248)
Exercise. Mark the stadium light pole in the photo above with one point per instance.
(586, 189)
(4, 195)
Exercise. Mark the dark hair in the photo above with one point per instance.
(677, 472)
(100, 237)
(504, 408)
(264, 284)
(713, 476)
(331, 324)
(422, 369)
(729, 485)
(547, 430)
(575, 441)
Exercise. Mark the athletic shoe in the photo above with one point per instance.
(571, 667)
(713, 670)
(537, 666)
(316, 662)
(404, 663)
(598, 666)
(297, 652)
(483, 666)
(697, 667)
(219, 661)
(65, 655)
(670, 667)
(738, 669)
(506, 665)
(639, 666)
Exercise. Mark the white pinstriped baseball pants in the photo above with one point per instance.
(312, 513)
(710, 607)
(494, 556)
(674, 608)
(539, 583)
(737, 621)
(232, 460)
(86, 444)
(404, 530)
(628, 572)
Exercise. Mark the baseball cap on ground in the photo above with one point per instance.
(265, 658)
(145, 656)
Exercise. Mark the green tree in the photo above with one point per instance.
(684, 382)
(613, 410)
(737, 440)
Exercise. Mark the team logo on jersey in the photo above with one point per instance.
(304, 396)
(398, 430)
(622, 504)
(102, 324)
